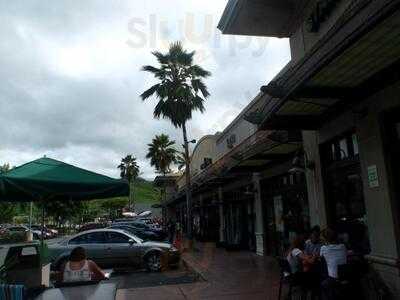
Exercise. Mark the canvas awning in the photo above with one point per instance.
(357, 58)
(46, 179)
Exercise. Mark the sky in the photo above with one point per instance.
(70, 76)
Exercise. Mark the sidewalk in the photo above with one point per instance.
(227, 275)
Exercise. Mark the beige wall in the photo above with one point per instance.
(205, 148)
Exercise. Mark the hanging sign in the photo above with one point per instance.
(373, 180)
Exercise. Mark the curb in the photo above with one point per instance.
(193, 269)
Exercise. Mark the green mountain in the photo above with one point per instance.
(145, 192)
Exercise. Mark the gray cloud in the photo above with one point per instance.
(70, 79)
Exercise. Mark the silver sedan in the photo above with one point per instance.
(113, 248)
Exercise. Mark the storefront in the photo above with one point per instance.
(343, 185)
(206, 218)
(239, 218)
(285, 211)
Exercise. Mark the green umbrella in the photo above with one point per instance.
(46, 179)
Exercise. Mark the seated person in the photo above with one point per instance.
(299, 263)
(79, 269)
(335, 254)
(313, 244)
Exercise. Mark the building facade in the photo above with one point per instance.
(341, 88)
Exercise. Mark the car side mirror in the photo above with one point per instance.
(131, 241)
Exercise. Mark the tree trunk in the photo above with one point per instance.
(188, 186)
(131, 203)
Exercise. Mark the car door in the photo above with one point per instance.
(93, 243)
(119, 249)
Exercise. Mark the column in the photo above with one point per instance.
(221, 215)
(259, 222)
(315, 188)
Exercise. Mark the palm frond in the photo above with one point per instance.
(197, 71)
(151, 69)
(150, 92)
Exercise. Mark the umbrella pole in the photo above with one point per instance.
(42, 229)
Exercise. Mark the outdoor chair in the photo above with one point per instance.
(11, 292)
(286, 277)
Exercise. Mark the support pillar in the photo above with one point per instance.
(259, 223)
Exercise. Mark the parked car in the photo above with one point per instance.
(53, 230)
(22, 228)
(150, 222)
(141, 233)
(115, 247)
(90, 226)
(38, 228)
(144, 227)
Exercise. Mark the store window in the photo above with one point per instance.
(344, 190)
(342, 148)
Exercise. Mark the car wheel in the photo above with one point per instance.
(153, 262)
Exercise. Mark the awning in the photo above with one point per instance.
(46, 179)
(357, 58)
(261, 17)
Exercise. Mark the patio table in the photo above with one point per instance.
(101, 291)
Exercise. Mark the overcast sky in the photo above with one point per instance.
(70, 76)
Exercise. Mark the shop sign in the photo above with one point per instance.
(373, 180)
(322, 11)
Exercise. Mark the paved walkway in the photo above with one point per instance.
(227, 275)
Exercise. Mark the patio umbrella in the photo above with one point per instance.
(45, 179)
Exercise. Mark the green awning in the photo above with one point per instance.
(49, 179)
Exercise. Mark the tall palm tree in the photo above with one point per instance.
(129, 171)
(180, 91)
(161, 153)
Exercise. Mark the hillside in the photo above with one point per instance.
(145, 192)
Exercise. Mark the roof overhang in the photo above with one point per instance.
(274, 18)
(357, 58)
(161, 181)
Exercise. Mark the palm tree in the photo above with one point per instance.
(180, 91)
(161, 153)
(129, 171)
